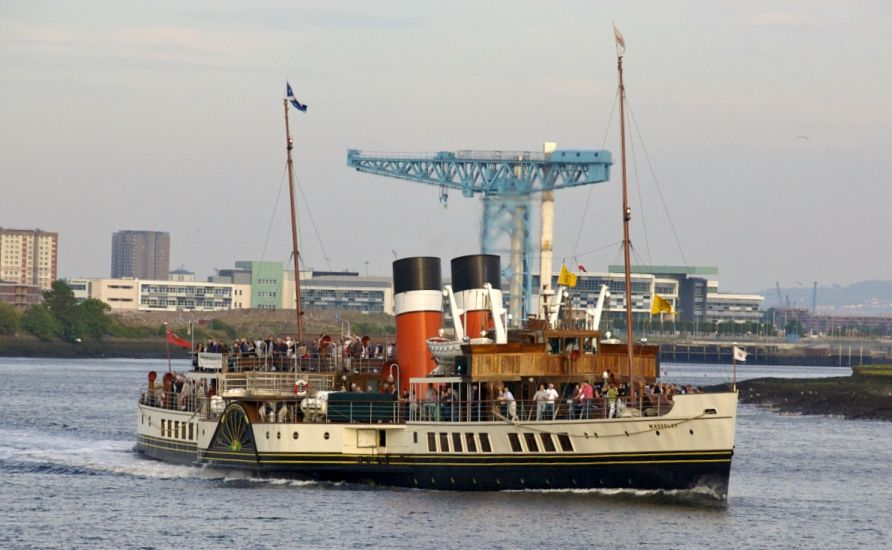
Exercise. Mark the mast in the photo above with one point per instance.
(627, 212)
(294, 253)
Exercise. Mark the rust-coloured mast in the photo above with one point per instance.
(627, 214)
(297, 308)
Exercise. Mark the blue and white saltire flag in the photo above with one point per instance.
(289, 95)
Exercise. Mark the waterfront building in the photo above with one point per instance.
(182, 275)
(164, 295)
(20, 296)
(830, 324)
(339, 291)
(694, 298)
(738, 308)
(28, 257)
(140, 254)
(263, 278)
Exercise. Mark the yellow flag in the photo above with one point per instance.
(566, 278)
(660, 305)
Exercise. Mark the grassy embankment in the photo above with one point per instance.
(141, 334)
(866, 394)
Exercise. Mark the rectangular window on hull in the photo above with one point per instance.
(548, 443)
(514, 440)
(566, 444)
(163, 427)
(432, 442)
(470, 443)
(444, 442)
(191, 432)
(456, 442)
(532, 446)
(484, 443)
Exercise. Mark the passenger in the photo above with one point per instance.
(551, 396)
(282, 415)
(540, 398)
(446, 404)
(507, 398)
(575, 402)
(413, 405)
(588, 394)
(476, 403)
(431, 407)
(612, 395)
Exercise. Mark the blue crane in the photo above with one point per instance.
(505, 180)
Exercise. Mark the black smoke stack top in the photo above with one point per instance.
(418, 273)
(470, 272)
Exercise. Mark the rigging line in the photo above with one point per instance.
(656, 183)
(591, 189)
(273, 216)
(641, 216)
(313, 223)
(606, 246)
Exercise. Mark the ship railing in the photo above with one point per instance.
(275, 386)
(173, 401)
(319, 362)
(531, 410)
(261, 383)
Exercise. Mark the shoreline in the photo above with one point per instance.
(861, 396)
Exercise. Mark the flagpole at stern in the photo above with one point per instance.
(734, 372)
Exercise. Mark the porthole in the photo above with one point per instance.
(658, 432)
(295, 435)
(278, 435)
(267, 435)
(627, 434)
(326, 435)
(692, 432)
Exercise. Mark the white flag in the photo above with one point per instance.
(739, 354)
(620, 41)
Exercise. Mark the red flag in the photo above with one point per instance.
(177, 341)
(581, 268)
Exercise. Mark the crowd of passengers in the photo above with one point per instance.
(574, 402)
(285, 352)
(182, 394)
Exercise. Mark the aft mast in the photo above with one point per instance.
(627, 212)
(294, 252)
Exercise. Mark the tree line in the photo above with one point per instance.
(59, 316)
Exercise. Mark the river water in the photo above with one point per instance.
(69, 479)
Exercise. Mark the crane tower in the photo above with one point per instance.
(506, 181)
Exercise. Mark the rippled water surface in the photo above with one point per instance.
(70, 479)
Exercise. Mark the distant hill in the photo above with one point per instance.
(865, 297)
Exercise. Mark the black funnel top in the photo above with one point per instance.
(418, 273)
(474, 271)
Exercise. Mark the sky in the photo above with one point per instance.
(766, 125)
